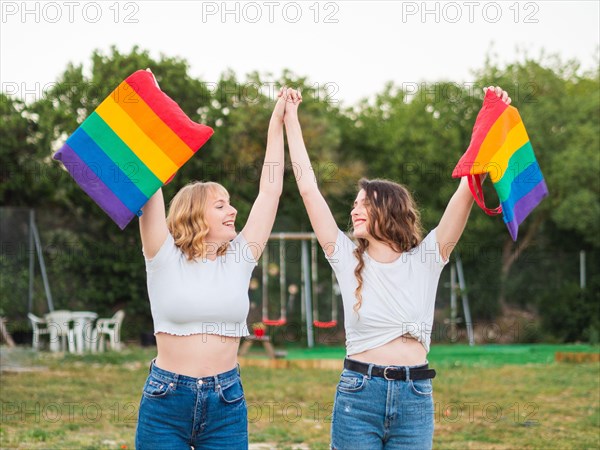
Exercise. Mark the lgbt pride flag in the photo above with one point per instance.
(500, 146)
(130, 146)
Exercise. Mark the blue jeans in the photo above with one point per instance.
(373, 413)
(178, 412)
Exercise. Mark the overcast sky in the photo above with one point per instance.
(351, 48)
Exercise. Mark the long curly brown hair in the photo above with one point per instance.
(393, 220)
(185, 219)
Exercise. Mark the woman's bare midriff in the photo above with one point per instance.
(197, 355)
(402, 351)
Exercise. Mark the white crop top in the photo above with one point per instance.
(397, 298)
(200, 296)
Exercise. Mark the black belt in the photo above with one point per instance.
(390, 372)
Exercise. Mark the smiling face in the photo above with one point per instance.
(360, 215)
(220, 217)
(384, 211)
(201, 216)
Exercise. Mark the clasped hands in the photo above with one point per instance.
(287, 104)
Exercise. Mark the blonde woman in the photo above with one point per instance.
(388, 283)
(199, 270)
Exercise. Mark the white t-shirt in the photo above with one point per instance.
(200, 296)
(397, 298)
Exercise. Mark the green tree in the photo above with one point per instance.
(413, 136)
(416, 137)
(96, 264)
(561, 111)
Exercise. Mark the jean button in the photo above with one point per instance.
(199, 382)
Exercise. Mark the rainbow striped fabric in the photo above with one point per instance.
(500, 146)
(130, 146)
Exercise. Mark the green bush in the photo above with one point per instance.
(570, 313)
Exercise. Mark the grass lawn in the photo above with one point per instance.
(486, 397)
(457, 355)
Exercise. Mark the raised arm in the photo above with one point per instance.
(320, 216)
(153, 225)
(262, 215)
(455, 216)
(153, 222)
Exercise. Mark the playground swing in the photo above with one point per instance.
(282, 320)
(315, 279)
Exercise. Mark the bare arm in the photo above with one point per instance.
(262, 216)
(320, 216)
(153, 222)
(455, 216)
(153, 225)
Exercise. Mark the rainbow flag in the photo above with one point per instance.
(500, 146)
(130, 146)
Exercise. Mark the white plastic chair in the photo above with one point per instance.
(38, 325)
(110, 327)
(61, 333)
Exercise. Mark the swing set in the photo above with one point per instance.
(309, 286)
(315, 282)
(282, 320)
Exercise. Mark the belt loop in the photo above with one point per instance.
(407, 370)
(239, 370)
(151, 364)
(369, 371)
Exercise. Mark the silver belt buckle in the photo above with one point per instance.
(385, 373)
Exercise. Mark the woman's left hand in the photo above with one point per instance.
(279, 110)
(499, 92)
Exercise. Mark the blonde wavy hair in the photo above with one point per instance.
(393, 219)
(186, 221)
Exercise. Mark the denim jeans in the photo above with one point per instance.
(180, 412)
(372, 413)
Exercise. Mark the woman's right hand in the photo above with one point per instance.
(294, 98)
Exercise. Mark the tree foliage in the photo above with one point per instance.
(413, 136)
